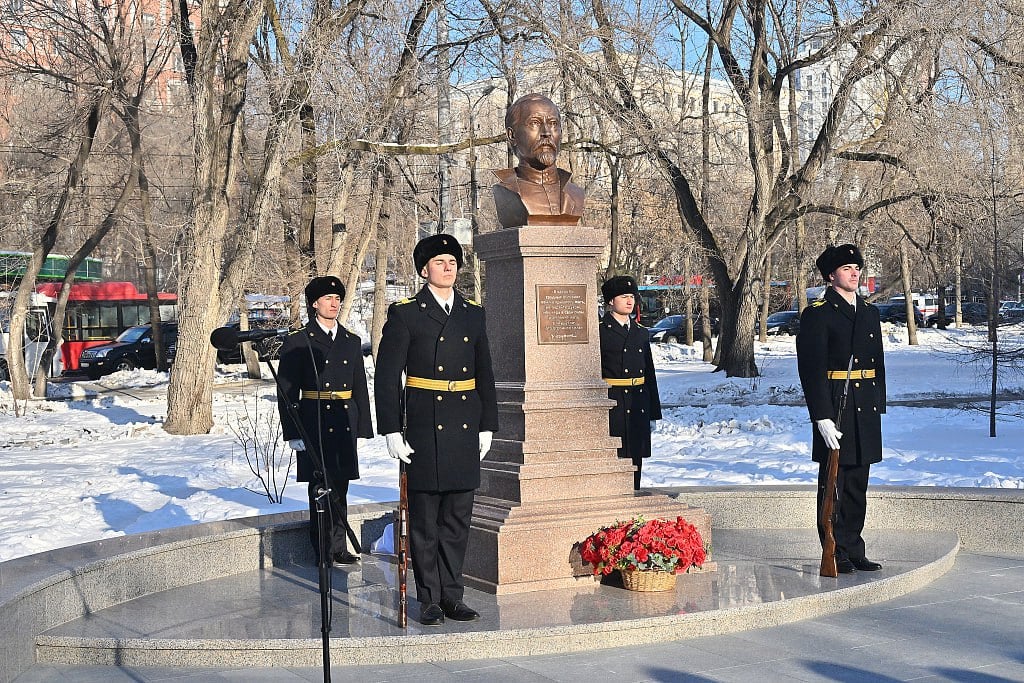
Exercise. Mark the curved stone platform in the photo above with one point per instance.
(243, 593)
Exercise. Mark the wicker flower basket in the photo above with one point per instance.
(647, 580)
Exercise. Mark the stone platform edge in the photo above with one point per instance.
(74, 581)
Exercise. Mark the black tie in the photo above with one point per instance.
(448, 309)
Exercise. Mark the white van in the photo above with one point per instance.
(38, 333)
(928, 304)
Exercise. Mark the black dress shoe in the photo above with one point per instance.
(458, 611)
(431, 614)
(344, 557)
(845, 566)
(865, 565)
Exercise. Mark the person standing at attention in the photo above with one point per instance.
(322, 376)
(840, 361)
(627, 366)
(440, 423)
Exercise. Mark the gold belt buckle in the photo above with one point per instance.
(451, 385)
(634, 381)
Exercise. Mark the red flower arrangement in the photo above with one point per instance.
(638, 544)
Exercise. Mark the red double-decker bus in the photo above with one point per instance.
(99, 311)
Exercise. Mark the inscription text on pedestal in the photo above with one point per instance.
(562, 314)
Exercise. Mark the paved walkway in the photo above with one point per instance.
(968, 625)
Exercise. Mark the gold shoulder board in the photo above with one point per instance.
(406, 300)
(818, 302)
(470, 301)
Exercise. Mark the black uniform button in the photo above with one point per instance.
(463, 397)
(423, 305)
(856, 360)
(440, 427)
(328, 406)
(440, 368)
(465, 426)
(465, 369)
(327, 361)
(330, 429)
(627, 411)
(345, 362)
(327, 384)
(439, 397)
(440, 339)
(856, 385)
(465, 339)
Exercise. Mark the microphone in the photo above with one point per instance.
(227, 338)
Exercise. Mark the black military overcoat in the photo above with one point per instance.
(311, 361)
(626, 355)
(830, 332)
(442, 427)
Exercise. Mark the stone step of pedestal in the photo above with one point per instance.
(548, 532)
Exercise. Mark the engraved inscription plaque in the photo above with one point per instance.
(562, 314)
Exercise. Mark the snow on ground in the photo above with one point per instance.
(90, 467)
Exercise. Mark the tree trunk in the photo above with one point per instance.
(355, 267)
(20, 388)
(705, 315)
(614, 169)
(249, 354)
(762, 324)
(384, 225)
(687, 300)
(908, 293)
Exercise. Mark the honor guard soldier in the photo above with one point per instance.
(321, 375)
(628, 368)
(839, 352)
(440, 422)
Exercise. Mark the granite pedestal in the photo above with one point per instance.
(552, 476)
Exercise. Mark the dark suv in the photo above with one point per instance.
(132, 349)
(897, 313)
(972, 314)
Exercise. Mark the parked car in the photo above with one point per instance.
(132, 349)
(890, 312)
(973, 314)
(672, 329)
(784, 322)
(1011, 311)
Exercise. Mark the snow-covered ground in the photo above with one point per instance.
(83, 469)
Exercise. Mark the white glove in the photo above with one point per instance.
(828, 431)
(297, 444)
(398, 448)
(485, 443)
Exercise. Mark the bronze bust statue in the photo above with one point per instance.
(536, 192)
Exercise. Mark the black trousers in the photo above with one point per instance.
(851, 508)
(438, 535)
(336, 507)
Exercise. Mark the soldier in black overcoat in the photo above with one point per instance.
(839, 350)
(321, 376)
(440, 422)
(628, 368)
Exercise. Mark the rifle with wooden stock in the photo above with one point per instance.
(403, 544)
(402, 529)
(828, 503)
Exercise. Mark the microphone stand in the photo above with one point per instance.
(324, 565)
(322, 492)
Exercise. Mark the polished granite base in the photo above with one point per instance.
(271, 617)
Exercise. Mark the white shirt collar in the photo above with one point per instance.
(329, 330)
(441, 302)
